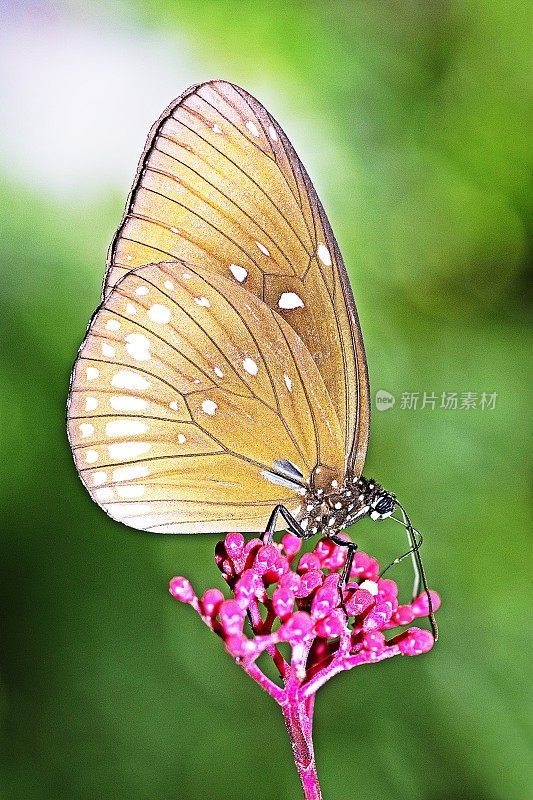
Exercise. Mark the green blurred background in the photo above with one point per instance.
(412, 120)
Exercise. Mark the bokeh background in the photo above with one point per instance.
(412, 120)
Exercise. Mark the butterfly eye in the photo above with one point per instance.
(382, 506)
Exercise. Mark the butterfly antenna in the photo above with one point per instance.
(415, 540)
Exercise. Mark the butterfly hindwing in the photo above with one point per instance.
(220, 185)
(187, 395)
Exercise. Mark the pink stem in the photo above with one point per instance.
(299, 723)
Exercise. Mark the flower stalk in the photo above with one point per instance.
(278, 599)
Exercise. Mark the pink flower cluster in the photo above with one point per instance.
(304, 608)
(278, 598)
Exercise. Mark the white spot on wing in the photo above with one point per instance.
(173, 405)
(128, 403)
(250, 366)
(290, 300)
(104, 495)
(288, 382)
(272, 132)
(217, 128)
(130, 473)
(127, 450)
(140, 290)
(252, 127)
(125, 427)
(130, 308)
(263, 249)
(324, 255)
(86, 429)
(91, 456)
(91, 403)
(169, 285)
(112, 325)
(138, 346)
(239, 273)
(99, 478)
(218, 372)
(92, 373)
(107, 350)
(159, 314)
(181, 438)
(202, 301)
(125, 379)
(209, 406)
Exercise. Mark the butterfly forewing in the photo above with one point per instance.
(187, 392)
(219, 185)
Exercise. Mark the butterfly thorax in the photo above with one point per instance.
(330, 507)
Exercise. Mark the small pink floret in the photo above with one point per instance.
(309, 561)
(331, 626)
(211, 601)
(374, 641)
(232, 617)
(291, 544)
(296, 628)
(403, 615)
(414, 641)
(234, 543)
(309, 582)
(420, 606)
(359, 602)
(181, 589)
(266, 558)
(365, 567)
(282, 602)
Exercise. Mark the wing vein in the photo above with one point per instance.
(240, 169)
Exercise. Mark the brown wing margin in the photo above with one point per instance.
(356, 449)
(353, 406)
(154, 130)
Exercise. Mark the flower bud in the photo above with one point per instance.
(296, 627)
(231, 617)
(181, 589)
(282, 602)
(414, 641)
(332, 625)
(420, 606)
(234, 544)
(291, 545)
(210, 602)
(308, 561)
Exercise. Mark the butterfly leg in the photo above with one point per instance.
(292, 525)
(351, 548)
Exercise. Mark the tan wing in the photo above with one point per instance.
(188, 396)
(220, 185)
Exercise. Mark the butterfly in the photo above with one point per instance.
(222, 381)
